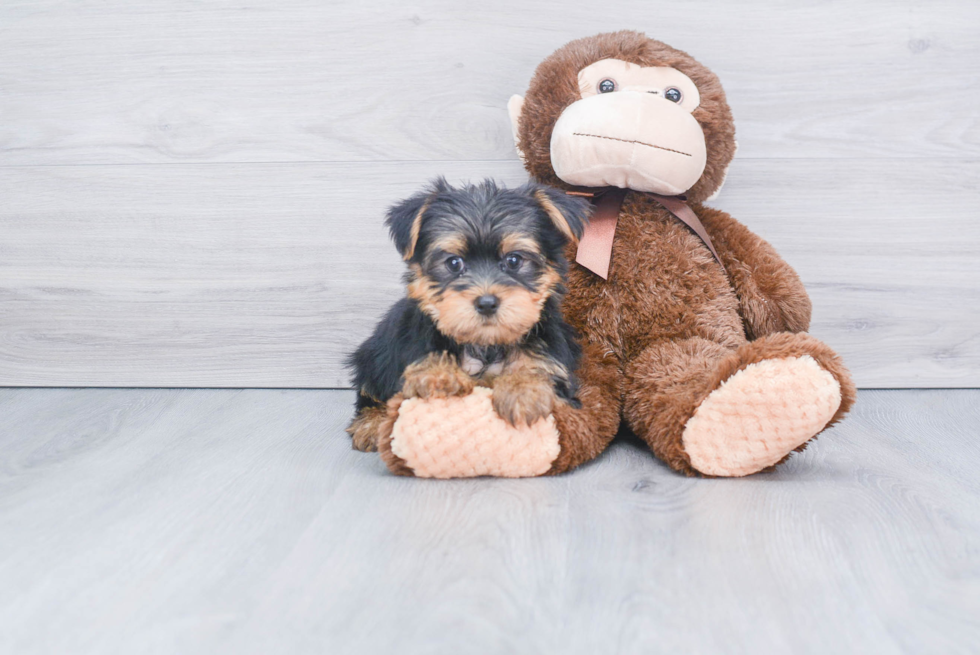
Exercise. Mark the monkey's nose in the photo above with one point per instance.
(487, 304)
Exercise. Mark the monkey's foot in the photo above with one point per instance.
(759, 415)
(463, 437)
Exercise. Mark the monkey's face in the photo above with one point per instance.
(621, 109)
(631, 129)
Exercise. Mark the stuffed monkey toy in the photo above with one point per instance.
(693, 329)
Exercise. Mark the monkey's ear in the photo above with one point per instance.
(724, 176)
(514, 107)
(568, 213)
(404, 220)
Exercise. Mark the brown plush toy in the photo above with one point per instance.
(692, 327)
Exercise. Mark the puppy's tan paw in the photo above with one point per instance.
(365, 429)
(522, 398)
(366, 443)
(436, 376)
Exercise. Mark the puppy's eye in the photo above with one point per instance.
(673, 94)
(455, 265)
(513, 261)
(607, 86)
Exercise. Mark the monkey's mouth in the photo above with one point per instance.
(648, 145)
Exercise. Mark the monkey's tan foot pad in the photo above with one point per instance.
(759, 415)
(463, 437)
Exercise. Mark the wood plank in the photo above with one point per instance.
(240, 521)
(125, 81)
(266, 275)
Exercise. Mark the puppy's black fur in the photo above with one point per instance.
(509, 243)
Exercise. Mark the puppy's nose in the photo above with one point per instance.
(487, 304)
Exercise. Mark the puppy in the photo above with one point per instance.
(485, 279)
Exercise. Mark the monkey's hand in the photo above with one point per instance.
(770, 294)
(436, 376)
(523, 397)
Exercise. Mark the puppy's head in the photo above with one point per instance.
(484, 260)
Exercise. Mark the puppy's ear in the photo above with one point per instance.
(404, 220)
(568, 213)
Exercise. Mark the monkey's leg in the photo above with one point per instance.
(706, 409)
(585, 432)
(464, 436)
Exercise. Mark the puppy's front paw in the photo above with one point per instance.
(436, 376)
(365, 429)
(364, 441)
(522, 398)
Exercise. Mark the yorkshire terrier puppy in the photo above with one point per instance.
(485, 279)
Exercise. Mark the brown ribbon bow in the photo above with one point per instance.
(595, 246)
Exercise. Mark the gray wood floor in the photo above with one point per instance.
(203, 521)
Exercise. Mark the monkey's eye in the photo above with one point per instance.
(455, 265)
(673, 94)
(607, 86)
(513, 261)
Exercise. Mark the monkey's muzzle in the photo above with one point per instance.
(631, 140)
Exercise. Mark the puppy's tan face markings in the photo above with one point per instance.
(449, 297)
(451, 244)
(484, 260)
(519, 243)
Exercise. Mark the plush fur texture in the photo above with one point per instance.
(555, 86)
(754, 417)
(466, 247)
(669, 325)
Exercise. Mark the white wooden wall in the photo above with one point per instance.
(191, 192)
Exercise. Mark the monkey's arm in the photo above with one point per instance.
(770, 294)
(586, 431)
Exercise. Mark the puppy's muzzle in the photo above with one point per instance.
(487, 304)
